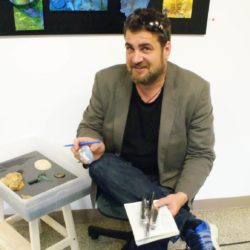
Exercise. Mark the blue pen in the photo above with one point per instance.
(83, 143)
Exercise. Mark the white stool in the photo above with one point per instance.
(38, 207)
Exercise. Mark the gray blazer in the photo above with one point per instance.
(186, 136)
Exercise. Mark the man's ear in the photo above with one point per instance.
(167, 49)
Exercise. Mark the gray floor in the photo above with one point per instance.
(233, 224)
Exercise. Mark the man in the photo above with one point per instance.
(155, 123)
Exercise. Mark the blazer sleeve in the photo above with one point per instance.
(200, 142)
(92, 121)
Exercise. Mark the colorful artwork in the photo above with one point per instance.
(128, 6)
(21, 2)
(35, 17)
(78, 5)
(28, 16)
(178, 8)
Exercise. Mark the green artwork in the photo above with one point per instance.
(29, 17)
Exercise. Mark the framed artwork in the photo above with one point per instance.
(55, 17)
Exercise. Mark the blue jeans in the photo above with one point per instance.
(125, 183)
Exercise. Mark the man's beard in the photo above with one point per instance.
(147, 79)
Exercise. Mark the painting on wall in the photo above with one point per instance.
(28, 16)
(78, 5)
(55, 17)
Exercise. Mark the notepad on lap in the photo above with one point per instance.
(165, 224)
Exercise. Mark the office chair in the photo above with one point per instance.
(109, 208)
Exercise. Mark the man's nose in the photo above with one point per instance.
(137, 57)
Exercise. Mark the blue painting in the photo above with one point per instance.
(128, 6)
(78, 5)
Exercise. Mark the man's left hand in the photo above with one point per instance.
(174, 202)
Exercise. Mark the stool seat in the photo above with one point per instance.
(110, 208)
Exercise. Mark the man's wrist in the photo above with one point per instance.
(182, 198)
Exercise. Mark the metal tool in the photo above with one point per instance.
(149, 213)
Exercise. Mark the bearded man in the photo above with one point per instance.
(155, 125)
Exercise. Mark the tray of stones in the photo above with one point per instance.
(35, 173)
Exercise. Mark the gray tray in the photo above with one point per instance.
(25, 164)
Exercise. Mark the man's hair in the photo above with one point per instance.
(149, 20)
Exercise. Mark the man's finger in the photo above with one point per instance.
(76, 144)
(75, 153)
(158, 204)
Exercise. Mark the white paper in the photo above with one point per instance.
(165, 224)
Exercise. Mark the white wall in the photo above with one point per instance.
(46, 81)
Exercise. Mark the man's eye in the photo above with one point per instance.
(146, 49)
(129, 49)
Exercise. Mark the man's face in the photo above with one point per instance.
(146, 59)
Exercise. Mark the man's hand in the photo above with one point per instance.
(97, 149)
(173, 201)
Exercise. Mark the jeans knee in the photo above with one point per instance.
(94, 168)
(100, 166)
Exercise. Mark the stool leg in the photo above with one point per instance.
(34, 234)
(70, 227)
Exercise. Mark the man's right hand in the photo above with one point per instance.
(97, 148)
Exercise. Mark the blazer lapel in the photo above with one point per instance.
(168, 113)
(122, 101)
